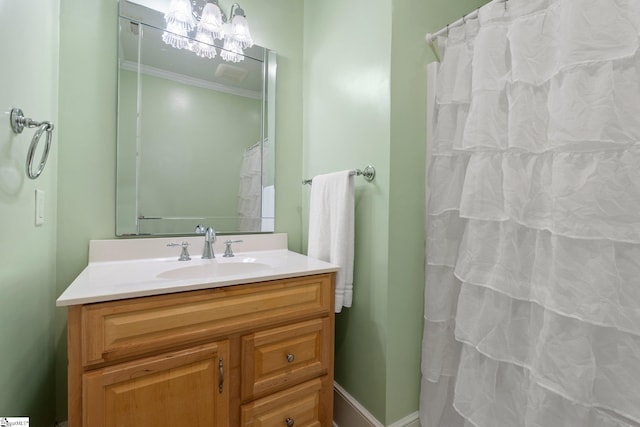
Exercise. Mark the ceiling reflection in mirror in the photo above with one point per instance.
(195, 135)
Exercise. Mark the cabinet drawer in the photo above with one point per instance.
(121, 329)
(280, 357)
(298, 406)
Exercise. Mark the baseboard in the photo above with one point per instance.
(411, 420)
(348, 412)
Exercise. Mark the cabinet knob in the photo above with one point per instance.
(290, 358)
(289, 422)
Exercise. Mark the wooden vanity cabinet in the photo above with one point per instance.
(246, 355)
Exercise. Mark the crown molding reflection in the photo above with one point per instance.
(187, 80)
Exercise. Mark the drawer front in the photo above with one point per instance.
(277, 358)
(121, 329)
(300, 406)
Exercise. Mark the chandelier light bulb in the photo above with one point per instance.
(175, 36)
(240, 31)
(180, 16)
(203, 46)
(179, 21)
(231, 52)
(211, 25)
(211, 21)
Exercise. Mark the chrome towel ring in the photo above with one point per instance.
(18, 123)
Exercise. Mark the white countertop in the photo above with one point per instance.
(109, 277)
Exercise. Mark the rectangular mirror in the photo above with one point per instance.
(195, 135)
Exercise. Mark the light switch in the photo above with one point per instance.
(39, 207)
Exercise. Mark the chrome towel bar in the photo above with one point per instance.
(369, 173)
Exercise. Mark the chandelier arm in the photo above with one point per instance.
(238, 8)
(197, 16)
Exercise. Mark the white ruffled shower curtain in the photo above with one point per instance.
(532, 300)
(250, 191)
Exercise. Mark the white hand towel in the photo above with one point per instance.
(331, 229)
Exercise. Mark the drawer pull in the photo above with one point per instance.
(290, 358)
(289, 422)
(221, 366)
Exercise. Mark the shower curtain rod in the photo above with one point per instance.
(431, 37)
(255, 144)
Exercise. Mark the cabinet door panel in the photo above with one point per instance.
(179, 388)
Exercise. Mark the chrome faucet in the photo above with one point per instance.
(209, 240)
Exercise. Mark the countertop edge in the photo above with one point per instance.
(145, 289)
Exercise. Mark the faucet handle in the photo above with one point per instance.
(228, 252)
(184, 255)
(199, 229)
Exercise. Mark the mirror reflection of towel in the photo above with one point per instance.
(268, 208)
(331, 229)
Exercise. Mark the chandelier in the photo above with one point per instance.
(210, 24)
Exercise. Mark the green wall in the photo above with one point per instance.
(87, 156)
(364, 102)
(346, 126)
(86, 178)
(406, 207)
(29, 51)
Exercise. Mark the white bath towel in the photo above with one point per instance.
(331, 229)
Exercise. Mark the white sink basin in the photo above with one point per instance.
(216, 268)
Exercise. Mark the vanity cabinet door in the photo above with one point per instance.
(182, 388)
